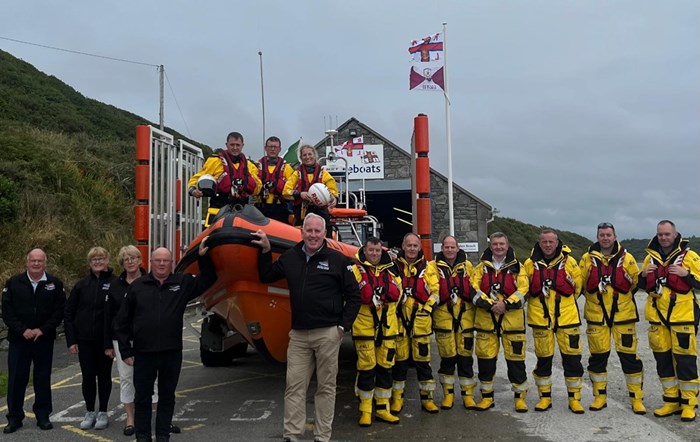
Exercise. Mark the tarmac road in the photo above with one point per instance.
(245, 402)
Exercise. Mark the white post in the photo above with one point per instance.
(450, 192)
(262, 96)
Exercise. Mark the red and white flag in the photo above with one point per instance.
(353, 144)
(427, 49)
(427, 70)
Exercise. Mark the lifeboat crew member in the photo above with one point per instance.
(309, 172)
(236, 177)
(420, 284)
(609, 283)
(555, 283)
(453, 323)
(274, 173)
(501, 287)
(374, 330)
(671, 275)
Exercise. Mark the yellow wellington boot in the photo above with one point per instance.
(427, 388)
(600, 396)
(365, 408)
(573, 387)
(544, 388)
(634, 385)
(520, 404)
(397, 392)
(448, 391)
(381, 411)
(467, 386)
(486, 397)
(671, 398)
(689, 402)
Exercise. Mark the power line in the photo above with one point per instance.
(88, 54)
(78, 52)
(177, 104)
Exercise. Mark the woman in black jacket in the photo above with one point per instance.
(85, 326)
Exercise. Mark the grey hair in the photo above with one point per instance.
(312, 216)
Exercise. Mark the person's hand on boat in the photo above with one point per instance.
(305, 196)
(262, 240)
(333, 203)
(109, 353)
(196, 193)
(203, 249)
(73, 349)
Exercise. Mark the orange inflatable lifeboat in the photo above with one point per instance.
(240, 303)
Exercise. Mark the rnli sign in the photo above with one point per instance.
(364, 161)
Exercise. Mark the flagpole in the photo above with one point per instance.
(450, 193)
(262, 95)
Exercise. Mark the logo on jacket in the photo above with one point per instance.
(323, 265)
(106, 286)
(50, 286)
(174, 288)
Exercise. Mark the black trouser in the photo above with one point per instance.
(276, 211)
(20, 357)
(94, 364)
(165, 366)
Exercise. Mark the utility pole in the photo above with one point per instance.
(161, 70)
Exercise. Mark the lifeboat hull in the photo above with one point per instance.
(260, 312)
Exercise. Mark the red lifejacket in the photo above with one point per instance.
(304, 183)
(504, 283)
(458, 284)
(382, 284)
(662, 276)
(414, 284)
(557, 277)
(613, 273)
(273, 181)
(239, 178)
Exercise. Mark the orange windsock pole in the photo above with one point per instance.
(142, 191)
(423, 214)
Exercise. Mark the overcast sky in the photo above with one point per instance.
(564, 113)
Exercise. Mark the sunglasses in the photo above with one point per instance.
(605, 226)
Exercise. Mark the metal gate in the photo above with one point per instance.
(164, 215)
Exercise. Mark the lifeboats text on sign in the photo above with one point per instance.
(365, 161)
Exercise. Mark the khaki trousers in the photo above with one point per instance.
(308, 350)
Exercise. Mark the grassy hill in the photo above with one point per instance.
(66, 171)
(523, 237)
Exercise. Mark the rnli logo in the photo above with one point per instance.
(323, 265)
(106, 286)
(50, 286)
(174, 288)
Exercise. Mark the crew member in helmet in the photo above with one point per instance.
(309, 172)
(236, 178)
(274, 173)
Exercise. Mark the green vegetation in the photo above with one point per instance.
(636, 246)
(523, 237)
(3, 383)
(66, 171)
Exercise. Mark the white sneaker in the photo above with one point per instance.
(102, 421)
(89, 420)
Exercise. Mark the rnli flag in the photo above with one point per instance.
(427, 79)
(428, 61)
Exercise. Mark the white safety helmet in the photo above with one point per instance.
(207, 185)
